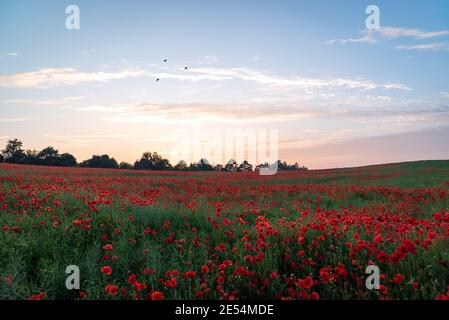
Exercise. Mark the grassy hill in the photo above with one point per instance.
(414, 174)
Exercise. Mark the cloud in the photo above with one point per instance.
(359, 108)
(428, 46)
(389, 33)
(393, 33)
(193, 112)
(10, 55)
(52, 77)
(82, 140)
(61, 101)
(379, 98)
(104, 109)
(88, 52)
(272, 80)
(16, 119)
(365, 39)
(207, 60)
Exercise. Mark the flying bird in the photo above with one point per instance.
(157, 79)
(185, 68)
(165, 60)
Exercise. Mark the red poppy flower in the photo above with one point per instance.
(156, 295)
(132, 279)
(38, 296)
(189, 274)
(106, 270)
(111, 289)
(171, 283)
(139, 286)
(204, 269)
(306, 283)
(398, 278)
(314, 296)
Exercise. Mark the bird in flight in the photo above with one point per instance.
(157, 79)
(165, 60)
(185, 68)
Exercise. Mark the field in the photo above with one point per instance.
(168, 235)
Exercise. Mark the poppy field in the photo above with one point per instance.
(151, 235)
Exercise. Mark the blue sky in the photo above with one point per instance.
(308, 69)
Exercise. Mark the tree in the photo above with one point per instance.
(13, 152)
(67, 160)
(231, 165)
(32, 157)
(245, 166)
(125, 165)
(180, 166)
(262, 165)
(1, 158)
(103, 161)
(282, 165)
(152, 161)
(201, 165)
(48, 156)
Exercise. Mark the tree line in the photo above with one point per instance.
(49, 156)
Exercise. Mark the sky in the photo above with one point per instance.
(336, 93)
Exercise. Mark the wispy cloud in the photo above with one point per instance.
(16, 119)
(364, 39)
(428, 46)
(53, 102)
(83, 139)
(105, 109)
(367, 108)
(10, 55)
(393, 33)
(208, 60)
(193, 112)
(390, 33)
(52, 77)
(273, 80)
(88, 52)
